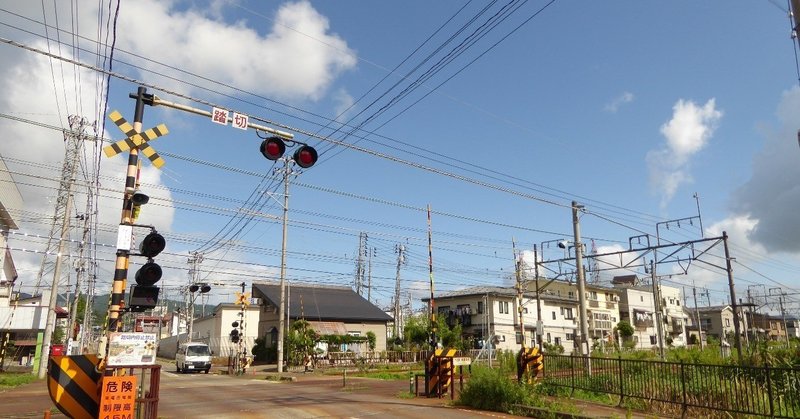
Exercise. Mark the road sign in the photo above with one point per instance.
(462, 360)
(136, 139)
(72, 382)
(118, 397)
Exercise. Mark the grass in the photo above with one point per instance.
(11, 380)
(404, 395)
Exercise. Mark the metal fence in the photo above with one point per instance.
(694, 388)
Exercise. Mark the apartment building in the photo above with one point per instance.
(491, 314)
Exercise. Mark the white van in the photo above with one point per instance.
(193, 356)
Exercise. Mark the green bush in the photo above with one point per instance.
(491, 389)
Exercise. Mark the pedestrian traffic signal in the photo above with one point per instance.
(305, 156)
(273, 148)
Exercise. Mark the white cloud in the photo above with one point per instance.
(624, 98)
(772, 195)
(297, 59)
(689, 130)
(35, 155)
(344, 103)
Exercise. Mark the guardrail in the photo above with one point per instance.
(695, 388)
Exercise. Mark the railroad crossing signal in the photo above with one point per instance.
(243, 298)
(529, 361)
(136, 139)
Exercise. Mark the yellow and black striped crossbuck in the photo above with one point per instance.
(136, 140)
(73, 383)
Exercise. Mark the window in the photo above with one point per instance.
(548, 338)
(558, 341)
(500, 307)
(568, 313)
(480, 307)
(641, 298)
(652, 339)
(505, 305)
(727, 322)
(570, 336)
(554, 315)
(525, 310)
(571, 295)
(354, 333)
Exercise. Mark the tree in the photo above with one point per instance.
(624, 329)
(415, 331)
(300, 341)
(371, 340)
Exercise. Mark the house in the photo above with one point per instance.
(717, 322)
(767, 327)
(215, 328)
(330, 310)
(602, 308)
(793, 327)
(637, 306)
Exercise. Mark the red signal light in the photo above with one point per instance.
(305, 156)
(273, 148)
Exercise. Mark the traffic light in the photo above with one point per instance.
(305, 156)
(144, 295)
(235, 332)
(273, 148)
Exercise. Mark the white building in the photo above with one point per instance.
(638, 307)
(215, 328)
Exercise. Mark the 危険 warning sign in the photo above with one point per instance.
(118, 397)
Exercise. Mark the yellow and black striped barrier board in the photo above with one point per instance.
(136, 139)
(73, 383)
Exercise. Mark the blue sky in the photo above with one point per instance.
(628, 107)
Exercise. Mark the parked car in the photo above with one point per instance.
(193, 356)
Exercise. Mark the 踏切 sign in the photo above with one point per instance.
(220, 116)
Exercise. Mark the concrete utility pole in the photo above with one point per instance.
(520, 293)
(74, 141)
(736, 326)
(783, 312)
(657, 308)
(194, 273)
(697, 316)
(397, 316)
(282, 312)
(584, 342)
(539, 321)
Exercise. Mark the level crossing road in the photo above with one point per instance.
(311, 396)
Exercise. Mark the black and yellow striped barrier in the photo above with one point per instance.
(73, 384)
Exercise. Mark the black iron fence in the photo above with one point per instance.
(694, 388)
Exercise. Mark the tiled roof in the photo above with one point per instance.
(321, 303)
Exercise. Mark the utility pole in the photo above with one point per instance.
(584, 342)
(734, 304)
(359, 279)
(194, 273)
(783, 312)
(657, 308)
(519, 294)
(287, 170)
(400, 250)
(432, 310)
(697, 316)
(74, 142)
(369, 273)
(539, 321)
